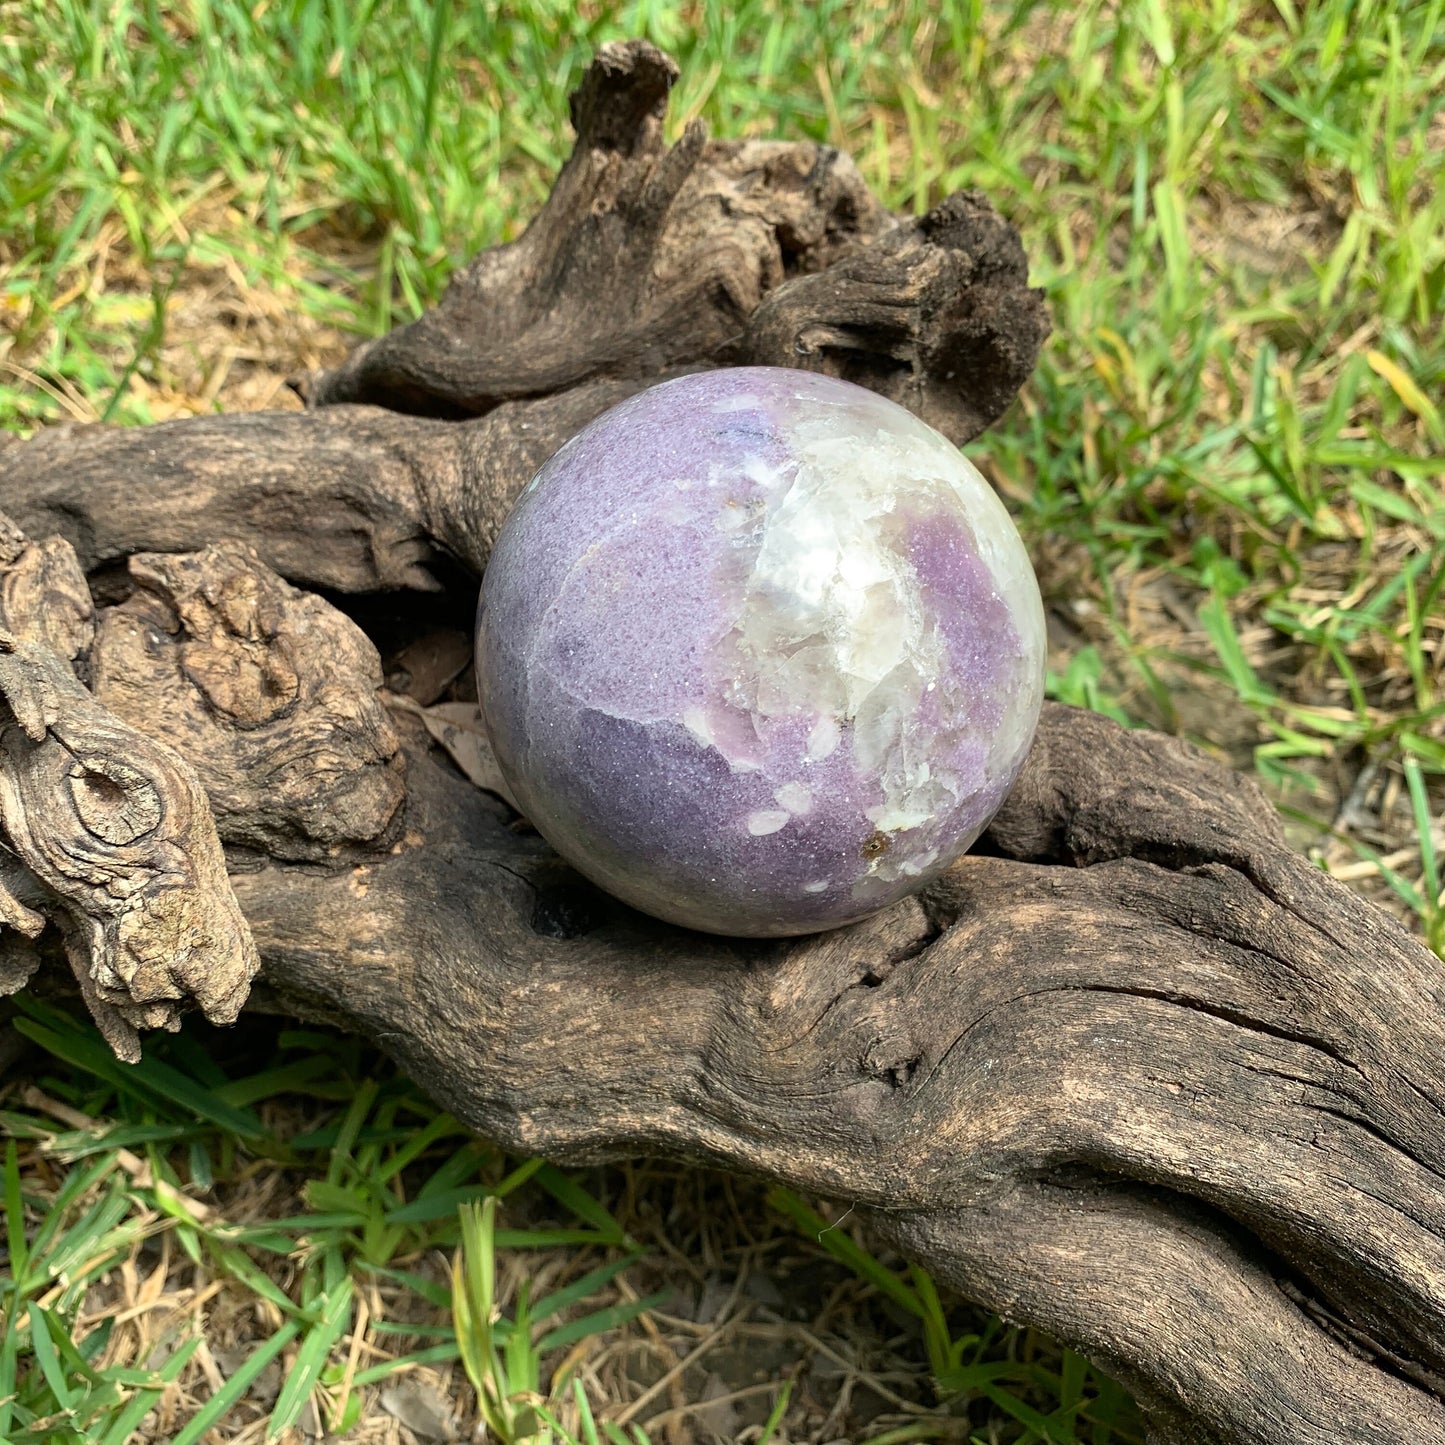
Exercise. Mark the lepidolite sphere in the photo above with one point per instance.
(760, 652)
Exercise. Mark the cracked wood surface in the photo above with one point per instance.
(107, 831)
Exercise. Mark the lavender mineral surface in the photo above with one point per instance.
(760, 652)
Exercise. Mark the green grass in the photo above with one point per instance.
(1230, 469)
(380, 1184)
(383, 1185)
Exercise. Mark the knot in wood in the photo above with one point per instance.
(115, 802)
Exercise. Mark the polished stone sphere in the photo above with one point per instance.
(759, 651)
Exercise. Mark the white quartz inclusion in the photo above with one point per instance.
(767, 820)
(794, 797)
(832, 624)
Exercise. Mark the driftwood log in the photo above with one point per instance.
(1134, 1072)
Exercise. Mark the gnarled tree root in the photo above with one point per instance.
(107, 832)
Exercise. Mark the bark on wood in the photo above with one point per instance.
(643, 258)
(107, 831)
(1134, 1072)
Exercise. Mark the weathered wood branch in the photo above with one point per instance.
(356, 499)
(644, 257)
(1134, 1072)
(107, 832)
(1140, 1075)
(934, 315)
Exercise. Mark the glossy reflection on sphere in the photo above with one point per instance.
(760, 652)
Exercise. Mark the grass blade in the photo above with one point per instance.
(600, 1321)
(311, 1358)
(234, 1388)
(143, 1402)
(14, 1216)
(47, 1357)
(844, 1249)
(566, 1191)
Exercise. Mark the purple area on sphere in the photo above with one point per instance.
(961, 595)
(605, 616)
(654, 796)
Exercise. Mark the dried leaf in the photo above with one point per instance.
(421, 1407)
(423, 669)
(461, 730)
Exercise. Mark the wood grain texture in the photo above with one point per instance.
(106, 830)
